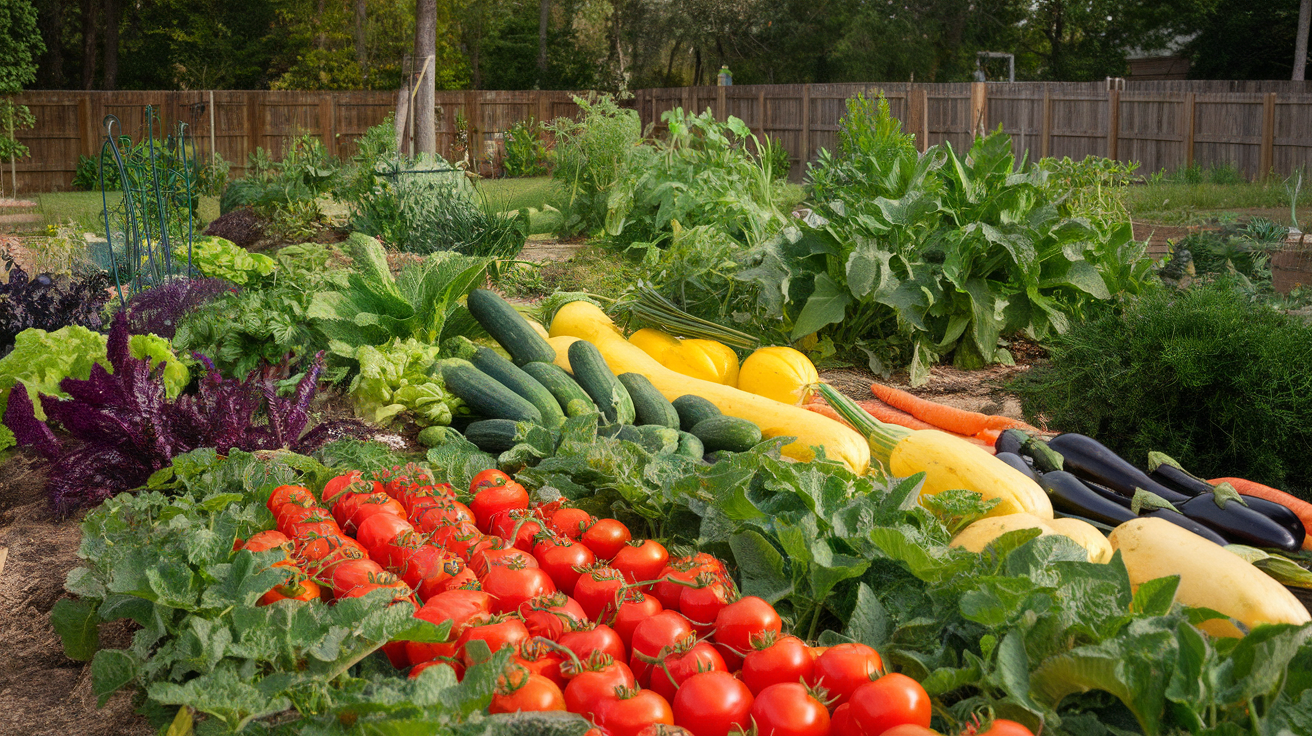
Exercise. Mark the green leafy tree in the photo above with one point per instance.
(20, 45)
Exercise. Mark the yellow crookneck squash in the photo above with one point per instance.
(586, 321)
(705, 359)
(779, 373)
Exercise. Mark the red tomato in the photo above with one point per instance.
(322, 552)
(458, 607)
(510, 585)
(295, 590)
(788, 709)
(290, 513)
(346, 505)
(596, 591)
(487, 558)
(517, 525)
(497, 632)
(635, 608)
(415, 503)
(632, 711)
(908, 729)
(641, 561)
(713, 704)
(313, 527)
(374, 503)
(298, 495)
(605, 538)
(702, 602)
(270, 539)
(424, 561)
(353, 574)
(843, 723)
(737, 623)
(892, 700)
(445, 511)
(400, 591)
(844, 668)
(438, 583)
(419, 668)
(522, 691)
(347, 483)
(541, 659)
(595, 683)
(688, 659)
(381, 529)
(782, 659)
(494, 499)
(589, 638)
(560, 557)
(570, 522)
(395, 653)
(999, 727)
(673, 579)
(654, 638)
(550, 616)
(487, 479)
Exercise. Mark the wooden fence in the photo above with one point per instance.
(1260, 128)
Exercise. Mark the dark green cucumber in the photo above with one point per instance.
(568, 393)
(693, 409)
(659, 440)
(519, 381)
(628, 433)
(592, 373)
(649, 405)
(727, 433)
(509, 328)
(492, 435)
(484, 395)
(690, 446)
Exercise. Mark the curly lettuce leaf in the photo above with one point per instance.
(394, 378)
(215, 257)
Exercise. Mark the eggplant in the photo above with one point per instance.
(1011, 440)
(1175, 517)
(1070, 495)
(1018, 462)
(1089, 459)
(1279, 513)
(1163, 468)
(1240, 523)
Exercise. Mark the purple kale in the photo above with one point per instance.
(124, 427)
(50, 302)
(241, 226)
(159, 311)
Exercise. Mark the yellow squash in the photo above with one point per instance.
(779, 373)
(981, 534)
(587, 322)
(949, 462)
(538, 328)
(1087, 535)
(1210, 576)
(654, 342)
(705, 359)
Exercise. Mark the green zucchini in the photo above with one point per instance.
(492, 435)
(519, 381)
(628, 433)
(509, 328)
(727, 433)
(690, 446)
(659, 440)
(592, 373)
(693, 409)
(563, 387)
(484, 395)
(649, 405)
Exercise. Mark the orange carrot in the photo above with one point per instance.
(1302, 509)
(949, 418)
(889, 415)
(989, 435)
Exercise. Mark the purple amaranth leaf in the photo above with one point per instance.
(159, 311)
(92, 473)
(20, 417)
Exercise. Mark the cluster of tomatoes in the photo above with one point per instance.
(599, 624)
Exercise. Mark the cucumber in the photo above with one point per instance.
(519, 381)
(690, 446)
(610, 430)
(592, 373)
(628, 433)
(727, 433)
(484, 395)
(693, 409)
(509, 328)
(492, 435)
(659, 440)
(649, 405)
(562, 386)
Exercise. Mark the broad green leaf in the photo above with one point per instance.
(75, 621)
(1155, 597)
(827, 304)
(761, 565)
(111, 669)
(869, 622)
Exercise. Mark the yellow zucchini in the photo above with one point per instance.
(981, 534)
(1086, 535)
(779, 373)
(1210, 576)
(949, 462)
(587, 322)
(654, 342)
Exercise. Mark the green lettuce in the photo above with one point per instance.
(394, 378)
(215, 257)
(41, 360)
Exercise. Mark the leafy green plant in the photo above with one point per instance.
(526, 153)
(592, 155)
(422, 302)
(395, 378)
(913, 257)
(214, 257)
(1234, 249)
(1220, 382)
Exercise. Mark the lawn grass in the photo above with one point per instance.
(1188, 204)
(531, 192)
(84, 208)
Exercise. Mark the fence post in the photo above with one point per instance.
(979, 108)
(805, 156)
(721, 103)
(1267, 156)
(474, 139)
(760, 114)
(86, 127)
(1045, 141)
(254, 124)
(327, 122)
(1189, 106)
(1113, 122)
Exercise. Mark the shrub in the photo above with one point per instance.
(1221, 383)
(240, 226)
(49, 302)
(526, 153)
(591, 157)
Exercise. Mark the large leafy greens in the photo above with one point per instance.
(394, 378)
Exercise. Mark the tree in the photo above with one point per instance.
(425, 99)
(20, 45)
(1242, 39)
(1300, 40)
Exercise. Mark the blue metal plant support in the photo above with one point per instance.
(144, 230)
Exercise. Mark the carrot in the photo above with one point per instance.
(889, 415)
(952, 419)
(989, 435)
(1302, 509)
